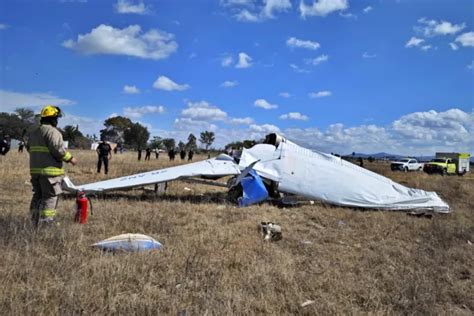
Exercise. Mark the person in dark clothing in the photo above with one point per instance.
(190, 155)
(21, 146)
(115, 150)
(171, 154)
(147, 153)
(182, 154)
(139, 154)
(361, 162)
(104, 151)
(5, 145)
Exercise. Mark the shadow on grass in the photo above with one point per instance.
(214, 197)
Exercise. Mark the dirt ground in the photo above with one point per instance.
(214, 261)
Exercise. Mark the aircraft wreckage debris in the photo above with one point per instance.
(279, 168)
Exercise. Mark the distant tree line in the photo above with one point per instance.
(118, 129)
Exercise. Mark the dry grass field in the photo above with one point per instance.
(214, 261)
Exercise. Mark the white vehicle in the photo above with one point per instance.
(406, 164)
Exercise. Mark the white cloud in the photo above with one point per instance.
(138, 112)
(130, 41)
(299, 69)
(264, 104)
(453, 46)
(425, 47)
(3, 26)
(165, 83)
(10, 100)
(227, 61)
(322, 7)
(320, 94)
(414, 41)
(192, 125)
(236, 2)
(367, 55)
(203, 111)
(245, 61)
(275, 6)
(449, 127)
(130, 90)
(367, 9)
(294, 42)
(87, 125)
(249, 11)
(284, 95)
(246, 16)
(466, 39)
(243, 121)
(348, 15)
(229, 84)
(294, 116)
(318, 60)
(431, 28)
(412, 134)
(127, 6)
(265, 128)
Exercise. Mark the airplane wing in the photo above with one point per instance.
(220, 166)
(330, 179)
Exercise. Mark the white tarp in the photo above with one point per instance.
(221, 166)
(331, 179)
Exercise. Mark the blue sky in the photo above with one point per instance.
(333, 75)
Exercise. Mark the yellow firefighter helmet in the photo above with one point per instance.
(51, 111)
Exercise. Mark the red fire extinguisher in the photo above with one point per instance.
(81, 208)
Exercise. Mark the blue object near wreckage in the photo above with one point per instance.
(254, 190)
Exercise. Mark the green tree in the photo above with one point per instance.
(181, 146)
(16, 124)
(207, 138)
(169, 143)
(26, 115)
(115, 128)
(191, 144)
(75, 138)
(136, 136)
(249, 143)
(70, 133)
(156, 143)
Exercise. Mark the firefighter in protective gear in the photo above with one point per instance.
(47, 154)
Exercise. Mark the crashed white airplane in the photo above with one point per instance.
(279, 167)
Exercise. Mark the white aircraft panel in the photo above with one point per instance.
(333, 180)
(211, 167)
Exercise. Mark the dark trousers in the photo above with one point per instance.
(104, 159)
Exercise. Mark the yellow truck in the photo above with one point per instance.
(448, 163)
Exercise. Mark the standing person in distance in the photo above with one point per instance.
(147, 153)
(47, 154)
(104, 152)
(190, 155)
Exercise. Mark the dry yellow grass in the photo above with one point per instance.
(214, 261)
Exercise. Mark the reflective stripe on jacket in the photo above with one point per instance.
(47, 153)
